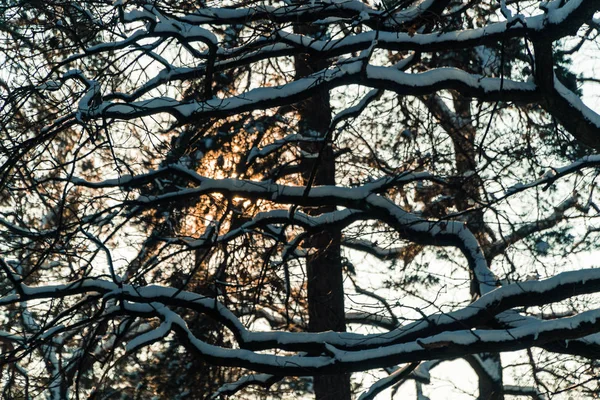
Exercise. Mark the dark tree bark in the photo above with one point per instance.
(325, 284)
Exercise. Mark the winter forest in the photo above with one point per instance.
(299, 199)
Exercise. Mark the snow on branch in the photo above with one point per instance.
(546, 26)
(550, 26)
(365, 198)
(219, 206)
(342, 74)
(446, 345)
(151, 298)
(263, 380)
(394, 378)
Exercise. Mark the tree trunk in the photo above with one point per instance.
(324, 267)
(490, 380)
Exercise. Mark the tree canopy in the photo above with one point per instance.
(298, 198)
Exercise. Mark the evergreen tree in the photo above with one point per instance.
(266, 198)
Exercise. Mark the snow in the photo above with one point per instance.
(557, 15)
(189, 29)
(161, 24)
(411, 13)
(345, 69)
(359, 202)
(550, 5)
(446, 75)
(490, 365)
(470, 247)
(137, 15)
(377, 349)
(189, 32)
(51, 332)
(121, 181)
(402, 220)
(423, 371)
(407, 41)
(288, 11)
(505, 11)
(384, 383)
(149, 337)
(257, 152)
(340, 74)
(134, 37)
(230, 388)
(576, 102)
(72, 73)
(22, 231)
(7, 336)
(542, 247)
(89, 100)
(517, 187)
(372, 248)
(354, 111)
(49, 86)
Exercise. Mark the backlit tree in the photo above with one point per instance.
(298, 198)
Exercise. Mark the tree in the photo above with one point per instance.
(205, 199)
